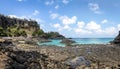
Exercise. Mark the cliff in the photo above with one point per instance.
(10, 26)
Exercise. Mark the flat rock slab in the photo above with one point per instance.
(77, 61)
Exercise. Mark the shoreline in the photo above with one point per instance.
(91, 56)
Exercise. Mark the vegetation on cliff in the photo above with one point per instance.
(23, 27)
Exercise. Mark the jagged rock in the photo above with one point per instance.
(116, 40)
(67, 41)
(4, 42)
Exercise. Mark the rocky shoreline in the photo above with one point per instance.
(24, 55)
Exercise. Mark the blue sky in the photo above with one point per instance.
(71, 18)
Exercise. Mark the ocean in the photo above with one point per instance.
(79, 41)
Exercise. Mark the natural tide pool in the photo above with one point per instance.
(52, 43)
(78, 41)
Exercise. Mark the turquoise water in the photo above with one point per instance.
(53, 42)
(92, 40)
(79, 41)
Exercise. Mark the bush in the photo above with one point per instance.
(38, 33)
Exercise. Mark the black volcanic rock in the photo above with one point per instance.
(116, 40)
(67, 41)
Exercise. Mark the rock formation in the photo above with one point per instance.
(67, 41)
(116, 40)
(7, 23)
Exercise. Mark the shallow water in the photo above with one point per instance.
(78, 41)
(92, 40)
(53, 42)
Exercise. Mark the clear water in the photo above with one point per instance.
(92, 40)
(53, 42)
(79, 41)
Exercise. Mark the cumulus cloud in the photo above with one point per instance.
(82, 31)
(66, 20)
(67, 27)
(57, 6)
(21, 0)
(95, 8)
(81, 24)
(27, 17)
(92, 29)
(20, 17)
(59, 27)
(36, 12)
(110, 31)
(82, 28)
(54, 15)
(49, 2)
(93, 26)
(118, 26)
(65, 1)
(104, 21)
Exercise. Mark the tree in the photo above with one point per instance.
(22, 33)
(2, 32)
(38, 33)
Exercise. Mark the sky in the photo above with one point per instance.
(71, 18)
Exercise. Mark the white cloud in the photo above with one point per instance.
(65, 1)
(28, 18)
(54, 15)
(92, 29)
(93, 26)
(57, 6)
(95, 8)
(36, 12)
(104, 21)
(110, 31)
(57, 25)
(81, 24)
(82, 31)
(20, 17)
(118, 26)
(21, 0)
(49, 2)
(60, 28)
(66, 20)
(67, 27)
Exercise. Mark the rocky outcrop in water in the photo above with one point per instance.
(67, 41)
(116, 40)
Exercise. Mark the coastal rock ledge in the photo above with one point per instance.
(27, 56)
(116, 41)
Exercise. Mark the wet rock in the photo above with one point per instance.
(67, 41)
(116, 40)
